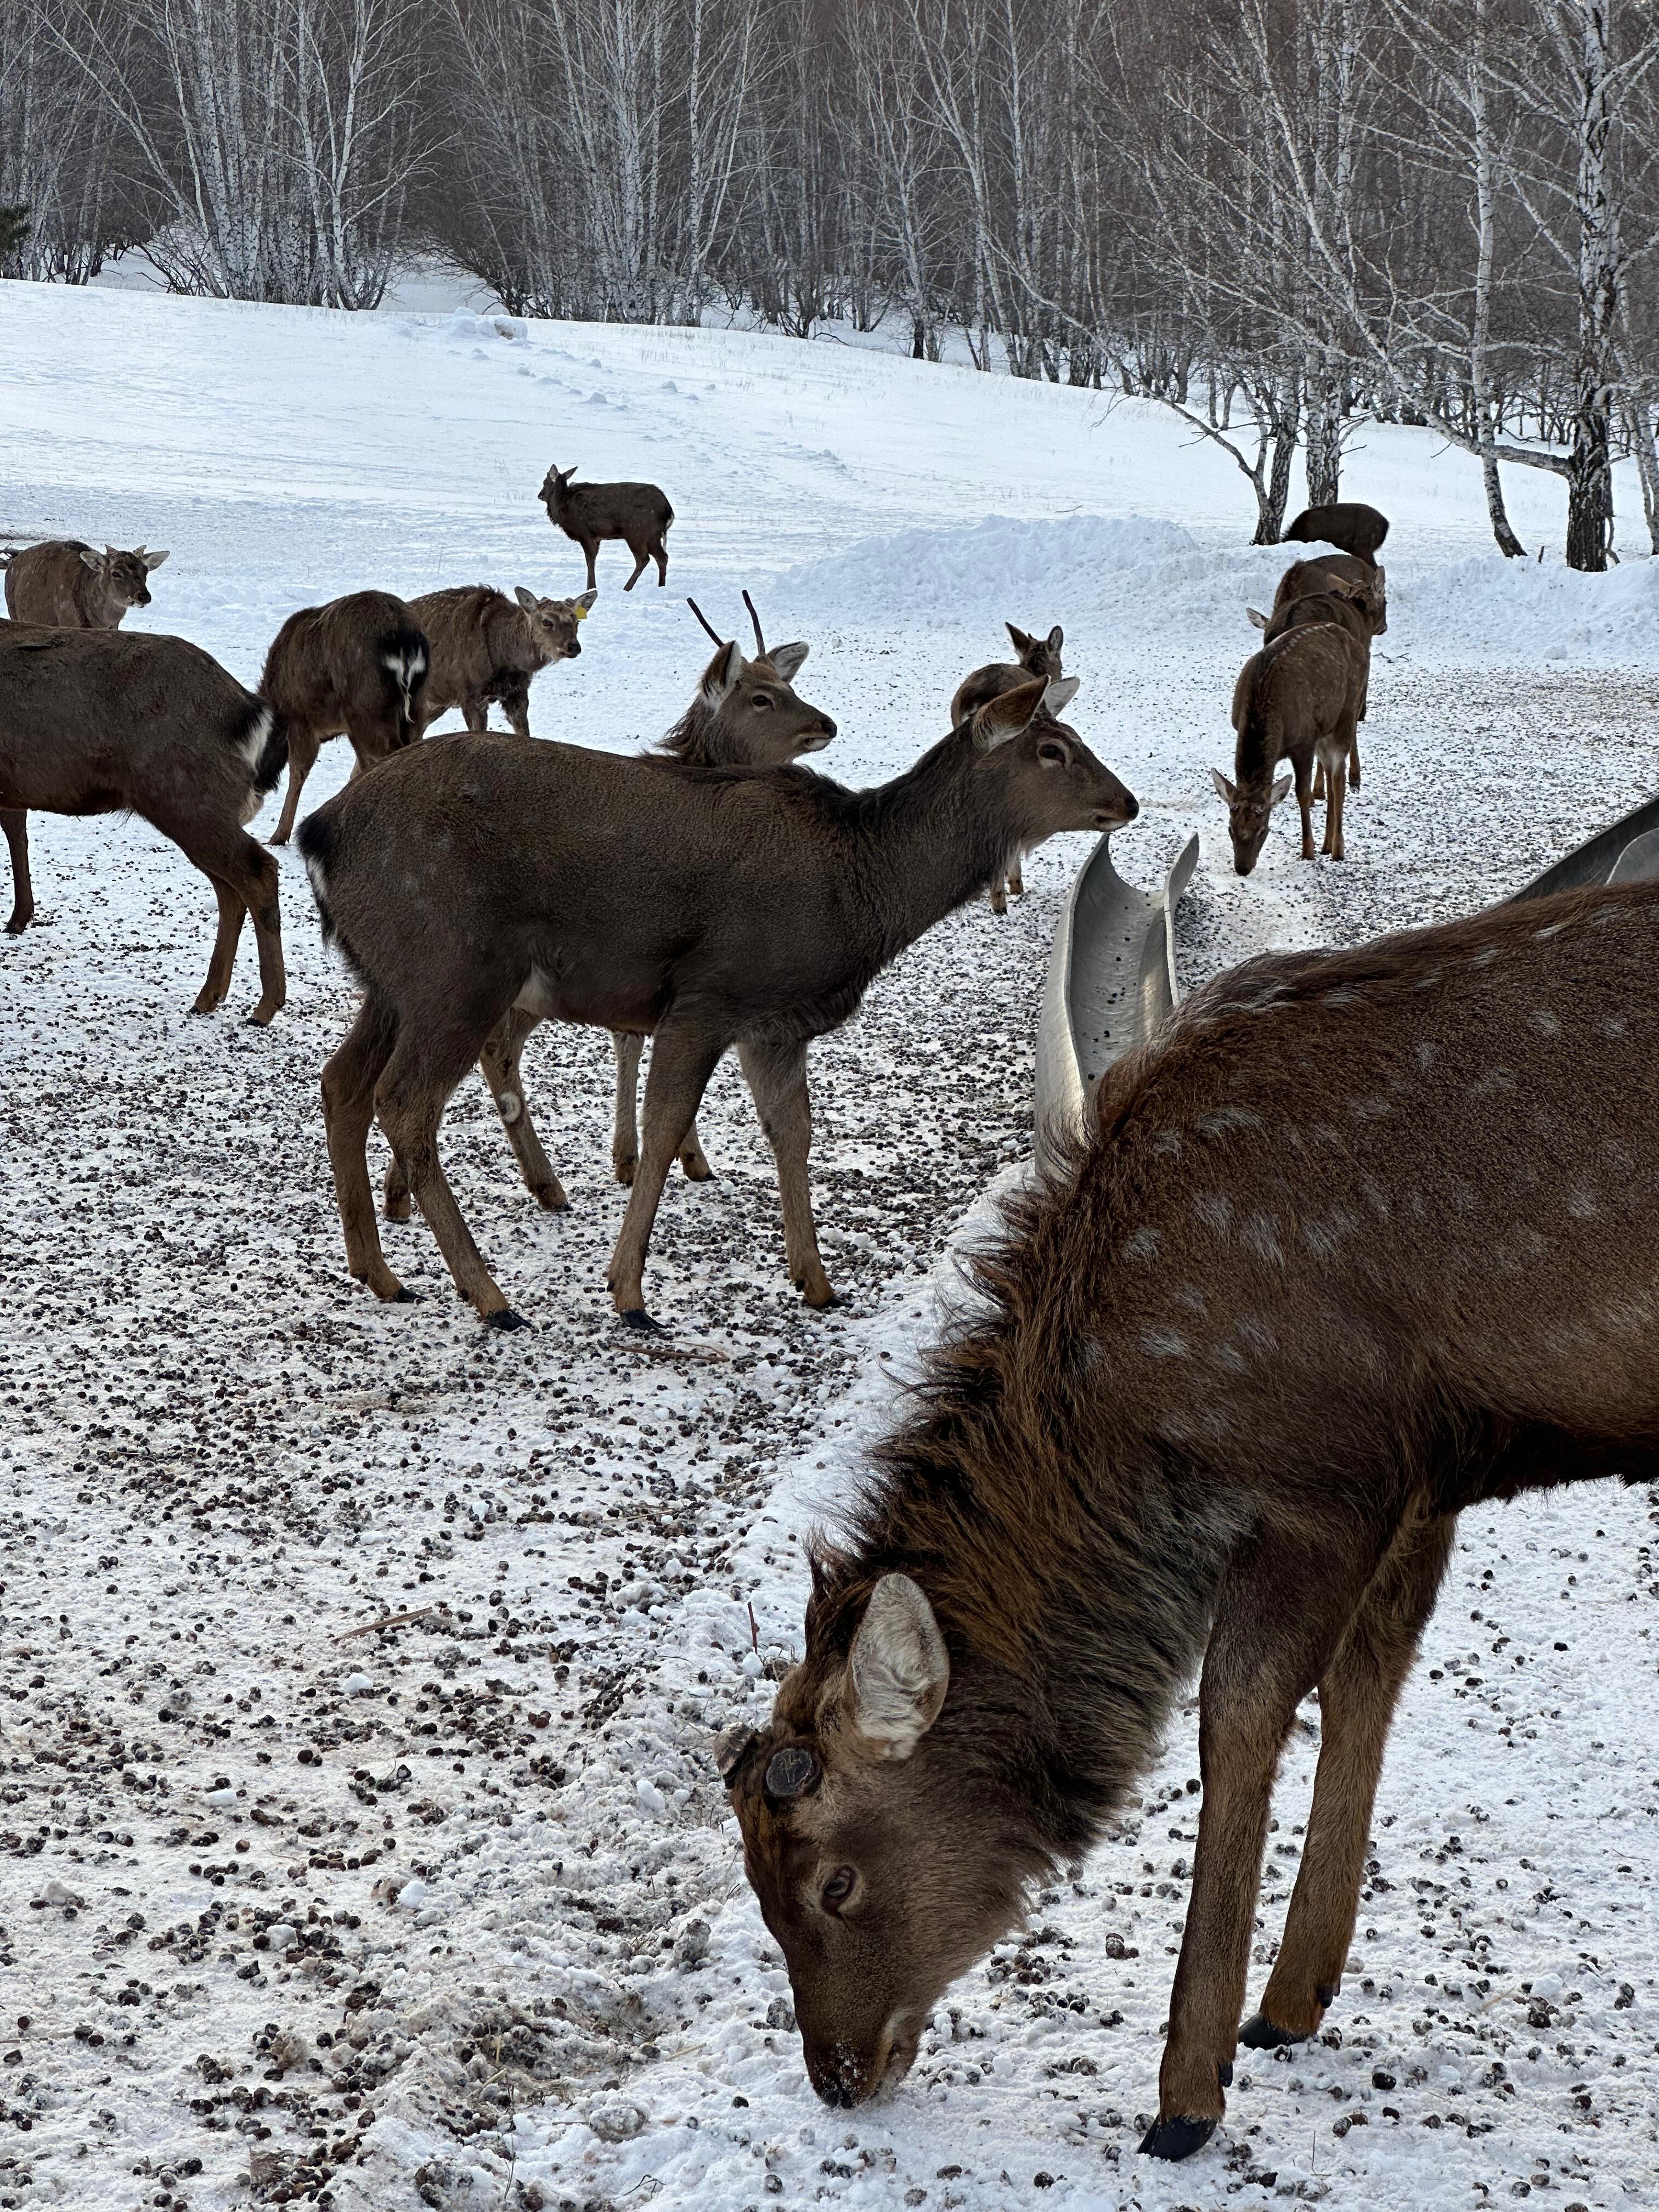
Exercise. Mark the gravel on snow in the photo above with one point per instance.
(360, 1842)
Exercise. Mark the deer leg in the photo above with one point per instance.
(418, 1082)
(1357, 1692)
(776, 1074)
(515, 705)
(641, 557)
(1304, 798)
(1319, 785)
(243, 876)
(682, 1060)
(659, 553)
(625, 1134)
(348, 1086)
(500, 1062)
(1266, 1652)
(14, 823)
(590, 547)
(1016, 878)
(1339, 787)
(475, 713)
(1000, 893)
(303, 747)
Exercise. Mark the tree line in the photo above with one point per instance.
(1279, 218)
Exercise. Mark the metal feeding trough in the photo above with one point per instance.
(1626, 852)
(1111, 980)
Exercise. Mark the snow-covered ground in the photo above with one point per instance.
(449, 1911)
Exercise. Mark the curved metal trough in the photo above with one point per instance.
(1111, 981)
(1625, 852)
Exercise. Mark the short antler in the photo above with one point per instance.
(706, 624)
(760, 643)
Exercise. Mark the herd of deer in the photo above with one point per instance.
(1421, 1171)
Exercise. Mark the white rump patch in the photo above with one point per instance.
(319, 883)
(254, 741)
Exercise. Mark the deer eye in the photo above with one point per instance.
(838, 1889)
(762, 699)
(1053, 754)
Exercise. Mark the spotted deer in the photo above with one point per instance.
(68, 586)
(1423, 1173)
(707, 907)
(1296, 699)
(1034, 656)
(1335, 588)
(485, 647)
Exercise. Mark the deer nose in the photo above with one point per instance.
(839, 2075)
(573, 651)
(827, 726)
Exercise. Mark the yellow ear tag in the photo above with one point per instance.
(582, 614)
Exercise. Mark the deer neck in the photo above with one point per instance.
(927, 843)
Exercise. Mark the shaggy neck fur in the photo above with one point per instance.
(1072, 1573)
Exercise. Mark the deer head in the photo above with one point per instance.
(747, 712)
(1249, 815)
(123, 575)
(552, 624)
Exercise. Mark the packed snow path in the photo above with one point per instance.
(448, 1912)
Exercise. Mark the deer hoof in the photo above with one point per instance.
(1259, 2033)
(1176, 2138)
(263, 1016)
(504, 1318)
(403, 1295)
(635, 1317)
(697, 1168)
(551, 1197)
(624, 1170)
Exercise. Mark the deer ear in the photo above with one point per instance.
(1021, 639)
(152, 560)
(1000, 718)
(1056, 638)
(89, 559)
(898, 1670)
(1062, 690)
(787, 659)
(527, 600)
(1258, 620)
(1227, 791)
(721, 674)
(584, 605)
(1279, 792)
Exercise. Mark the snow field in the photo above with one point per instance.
(524, 1968)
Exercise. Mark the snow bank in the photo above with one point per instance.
(1526, 611)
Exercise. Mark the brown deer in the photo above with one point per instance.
(591, 514)
(68, 586)
(105, 721)
(354, 668)
(707, 907)
(1337, 589)
(484, 648)
(745, 715)
(1345, 1166)
(1034, 656)
(1357, 529)
(1296, 699)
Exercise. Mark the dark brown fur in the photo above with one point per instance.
(1237, 1371)
(592, 514)
(100, 721)
(708, 908)
(66, 585)
(1357, 529)
(354, 668)
(1036, 656)
(1298, 700)
(486, 649)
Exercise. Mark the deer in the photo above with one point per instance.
(484, 647)
(1357, 529)
(66, 585)
(356, 667)
(1034, 656)
(744, 715)
(1339, 589)
(1296, 699)
(1108, 1482)
(707, 907)
(104, 722)
(591, 513)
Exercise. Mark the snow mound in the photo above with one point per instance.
(1488, 609)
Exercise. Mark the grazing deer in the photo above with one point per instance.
(1338, 589)
(105, 721)
(1296, 699)
(483, 648)
(1034, 656)
(68, 586)
(705, 908)
(1357, 529)
(591, 513)
(1345, 1165)
(745, 715)
(354, 668)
